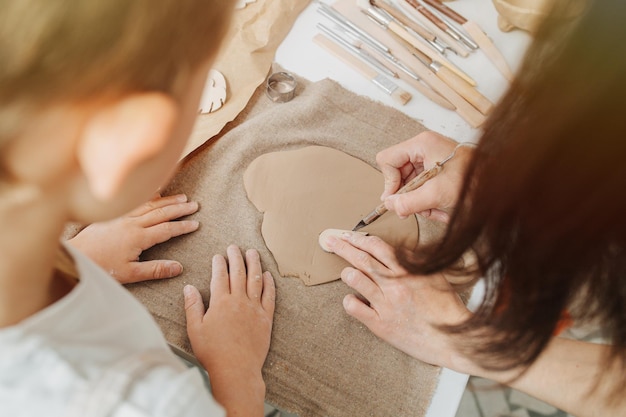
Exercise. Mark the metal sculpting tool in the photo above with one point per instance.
(377, 79)
(357, 51)
(415, 183)
(478, 35)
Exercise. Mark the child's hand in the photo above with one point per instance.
(231, 339)
(117, 244)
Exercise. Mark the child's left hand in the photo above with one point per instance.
(117, 244)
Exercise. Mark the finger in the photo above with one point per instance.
(254, 286)
(374, 246)
(360, 259)
(421, 199)
(194, 307)
(361, 283)
(392, 180)
(219, 276)
(236, 270)
(437, 215)
(163, 232)
(359, 310)
(158, 202)
(148, 270)
(168, 212)
(268, 297)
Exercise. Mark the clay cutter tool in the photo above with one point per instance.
(414, 184)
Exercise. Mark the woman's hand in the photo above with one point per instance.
(232, 338)
(117, 244)
(404, 161)
(403, 310)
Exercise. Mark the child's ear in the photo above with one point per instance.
(120, 136)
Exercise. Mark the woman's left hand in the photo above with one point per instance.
(116, 245)
(402, 309)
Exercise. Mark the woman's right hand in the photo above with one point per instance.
(402, 162)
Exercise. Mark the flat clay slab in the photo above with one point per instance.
(305, 191)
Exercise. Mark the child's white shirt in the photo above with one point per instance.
(96, 352)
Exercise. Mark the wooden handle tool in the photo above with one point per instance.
(423, 15)
(479, 37)
(487, 46)
(420, 30)
(414, 81)
(414, 184)
(380, 81)
(468, 92)
(446, 10)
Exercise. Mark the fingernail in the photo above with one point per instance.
(347, 235)
(330, 242)
(175, 269)
(194, 224)
(181, 198)
(187, 290)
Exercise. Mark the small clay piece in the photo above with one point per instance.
(333, 232)
(214, 94)
(304, 192)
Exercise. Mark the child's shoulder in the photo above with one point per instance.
(96, 344)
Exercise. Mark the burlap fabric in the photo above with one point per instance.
(321, 361)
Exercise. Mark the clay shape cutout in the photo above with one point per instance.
(243, 3)
(214, 93)
(333, 232)
(303, 192)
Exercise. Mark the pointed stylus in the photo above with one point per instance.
(409, 186)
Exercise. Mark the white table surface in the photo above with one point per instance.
(300, 55)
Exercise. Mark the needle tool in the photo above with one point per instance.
(414, 184)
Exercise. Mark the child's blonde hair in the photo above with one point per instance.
(72, 50)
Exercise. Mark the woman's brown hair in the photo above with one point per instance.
(544, 201)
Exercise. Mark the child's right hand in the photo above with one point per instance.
(231, 339)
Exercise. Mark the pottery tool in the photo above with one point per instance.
(447, 27)
(469, 42)
(414, 184)
(419, 13)
(483, 41)
(420, 85)
(419, 29)
(405, 73)
(409, 25)
(458, 84)
(346, 24)
(359, 52)
(464, 109)
(387, 86)
(416, 42)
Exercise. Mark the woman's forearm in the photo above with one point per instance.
(570, 375)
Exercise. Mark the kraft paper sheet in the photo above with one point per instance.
(245, 58)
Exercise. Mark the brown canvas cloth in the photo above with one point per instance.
(321, 361)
